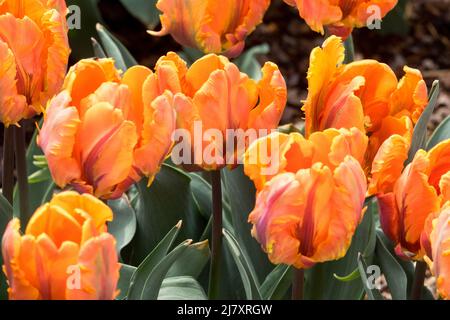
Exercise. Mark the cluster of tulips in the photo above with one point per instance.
(105, 129)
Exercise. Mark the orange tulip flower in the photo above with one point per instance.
(216, 96)
(65, 252)
(363, 94)
(308, 211)
(439, 256)
(103, 132)
(209, 25)
(341, 16)
(34, 53)
(417, 196)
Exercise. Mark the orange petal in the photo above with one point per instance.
(272, 99)
(380, 82)
(318, 13)
(87, 75)
(57, 139)
(20, 286)
(388, 164)
(411, 95)
(96, 210)
(134, 78)
(346, 211)
(13, 106)
(107, 141)
(57, 223)
(440, 242)
(99, 270)
(440, 162)
(410, 190)
(275, 154)
(200, 71)
(159, 124)
(323, 66)
(26, 41)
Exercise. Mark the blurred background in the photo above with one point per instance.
(416, 33)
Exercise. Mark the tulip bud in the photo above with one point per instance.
(102, 133)
(34, 53)
(209, 25)
(65, 254)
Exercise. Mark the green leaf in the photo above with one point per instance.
(392, 270)
(419, 138)
(240, 192)
(39, 176)
(6, 214)
(162, 205)
(126, 272)
(277, 283)
(123, 226)
(146, 267)
(248, 62)
(115, 49)
(155, 278)
(192, 261)
(441, 133)
(246, 269)
(143, 10)
(352, 276)
(372, 294)
(98, 50)
(407, 266)
(181, 288)
(320, 282)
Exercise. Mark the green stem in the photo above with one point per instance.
(349, 50)
(22, 176)
(216, 239)
(297, 284)
(8, 164)
(419, 279)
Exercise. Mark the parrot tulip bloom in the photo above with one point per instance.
(309, 211)
(363, 94)
(440, 251)
(341, 16)
(34, 53)
(216, 96)
(65, 253)
(103, 132)
(417, 195)
(211, 26)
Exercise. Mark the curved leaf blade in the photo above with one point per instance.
(246, 270)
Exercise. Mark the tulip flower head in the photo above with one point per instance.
(103, 132)
(66, 252)
(308, 212)
(34, 53)
(439, 256)
(209, 25)
(363, 94)
(215, 101)
(415, 197)
(341, 16)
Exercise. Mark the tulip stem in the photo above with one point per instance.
(419, 279)
(8, 164)
(216, 239)
(349, 50)
(297, 284)
(22, 176)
